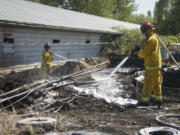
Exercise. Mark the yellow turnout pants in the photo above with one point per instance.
(152, 82)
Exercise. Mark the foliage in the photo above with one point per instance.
(128, 40)
(167, 17)
(131, 38)
(116, 9)
(122, 9)
(122, 44)
(149, 13)
(171, 39)
(161, 15)
(175, 17)
(178, 37)
(140, 18)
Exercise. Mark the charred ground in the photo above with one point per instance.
(84, 112)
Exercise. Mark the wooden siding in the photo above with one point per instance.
(29, 43)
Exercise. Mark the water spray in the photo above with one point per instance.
(119, 66)
(58, 55)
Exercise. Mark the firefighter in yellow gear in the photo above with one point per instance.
(152, 62)
(47, 58)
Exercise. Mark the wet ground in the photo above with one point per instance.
(109, 118)
(87, 113)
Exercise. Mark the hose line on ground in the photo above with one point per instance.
(159, 120)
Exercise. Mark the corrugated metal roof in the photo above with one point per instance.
(20, 12)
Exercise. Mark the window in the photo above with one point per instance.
(8, 40)
(88, 41)
(56, 41)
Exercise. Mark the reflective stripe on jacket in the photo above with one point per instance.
(151, 53)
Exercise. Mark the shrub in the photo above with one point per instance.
(171, 39)
(122, 44)
(128, 40)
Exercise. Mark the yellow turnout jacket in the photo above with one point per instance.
(46, 60)
(151, 53)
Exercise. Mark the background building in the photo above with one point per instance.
(26, 26)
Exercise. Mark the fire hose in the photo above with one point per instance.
(158, 119)
(165, 47)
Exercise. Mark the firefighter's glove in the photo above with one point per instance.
(135, 50)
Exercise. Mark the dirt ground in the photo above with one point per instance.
(100, 117)
(83, 113)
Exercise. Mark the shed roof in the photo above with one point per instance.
(20, 12)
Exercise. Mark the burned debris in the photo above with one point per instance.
(40, 92)
(82, 86)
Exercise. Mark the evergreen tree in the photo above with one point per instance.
(174, 19)
(149, 13)
(140, 18)
(162, 16)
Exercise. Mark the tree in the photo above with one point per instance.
(116, 9)
(140, 18)
(149, 13)
(174, 19)
(162, 15)
(167, 16)
(123, 9)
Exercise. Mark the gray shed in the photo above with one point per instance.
(25, 27)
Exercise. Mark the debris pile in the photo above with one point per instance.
(69, 90)
(14, 80)
(170, 85)
(53, 94)
(46, 95)
(68, 68)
